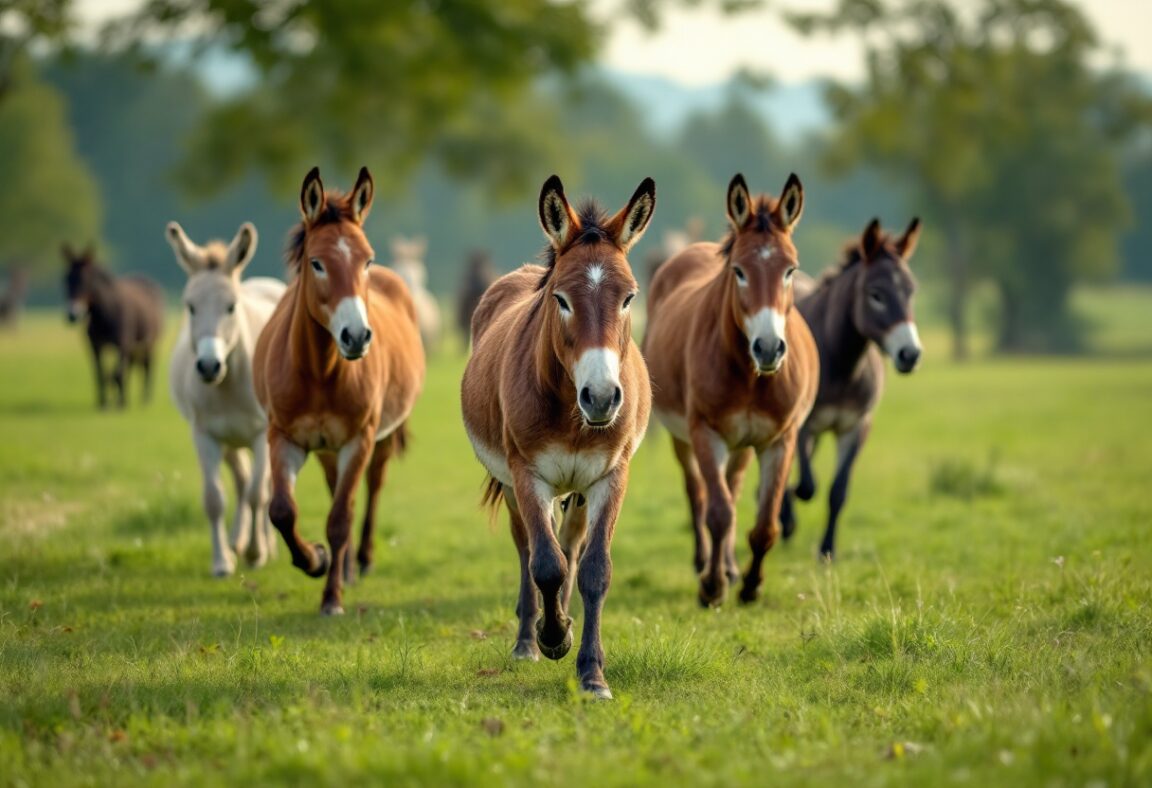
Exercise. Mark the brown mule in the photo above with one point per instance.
(734, 370)
(556, 400)
(338, 369)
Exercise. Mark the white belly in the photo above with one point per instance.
(675, 423)
(565, 471)
(838, 420)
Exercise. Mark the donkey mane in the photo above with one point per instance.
(593, 223)
(853, 253)
(337, 208)
(215, 255)
(762, 209)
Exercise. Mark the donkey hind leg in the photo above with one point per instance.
(374, 480)
(528, 603)
(353, 459)
(255, 497)
(242, 519)
(734, 476)
(775, 462)
(119, 373)
(573, 529)
(847, 449)
(697, 499)
(101, 380)
(805, 448)
(209, 452)
(331, 476)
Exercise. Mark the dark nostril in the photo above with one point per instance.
(586, 396)
(781, 349)
(617, 397)
(367, 335)
(757, 347)
(345, 337)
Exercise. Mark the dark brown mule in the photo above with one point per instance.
(125, 313)
(556, 399)
(478, 277)
(338, 369)
(734, 370)
(854, 310)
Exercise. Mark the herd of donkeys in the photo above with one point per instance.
(742, 355)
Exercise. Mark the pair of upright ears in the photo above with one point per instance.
(192, 257)
(561, 225)
(313, 202)
(785, 215)
(873, 239)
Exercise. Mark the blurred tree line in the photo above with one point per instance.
(1027, 164)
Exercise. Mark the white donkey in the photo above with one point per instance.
(408, 262)
(211, 382)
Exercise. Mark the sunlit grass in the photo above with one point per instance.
(963, 636)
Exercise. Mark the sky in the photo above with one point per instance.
(696, 47)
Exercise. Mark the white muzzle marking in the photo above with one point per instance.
(350, 315)
(598, 370)
(767, 325)
(900, 337)
(211, 349)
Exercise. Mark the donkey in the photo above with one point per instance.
(337, 369)
(125, 313)
(856, 308)
(478, 277)
(210, 379)
(408, 262)
(734, 370)
(556, 399)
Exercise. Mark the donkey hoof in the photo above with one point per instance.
(365, 566)
(711, 594)
(221, 572)
(331, 609)
(322, 561)
(749, 594)
(558, 650)
(526, 650)
(597, 689)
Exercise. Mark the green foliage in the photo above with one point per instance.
(1002, 640)
(1009, 137)
(49, 195)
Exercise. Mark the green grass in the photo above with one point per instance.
(987, 623)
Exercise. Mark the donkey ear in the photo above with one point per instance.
(556, 215)
(312, 196)
(243, 247)
(632, 221)
(791, 203)
(362, 194)
(906, 245)
(870, 239)
(739, 201)
(187, 253)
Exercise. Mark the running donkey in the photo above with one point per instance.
(210, 379)
(861, 305)
(556, 399)
(734, 370)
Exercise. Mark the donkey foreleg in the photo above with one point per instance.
(547, 564)
(573, 530)
(287, 458)
(528, 602)
(101, 383)
(209, 452)
(711, 454)
(604, 499)
(775, 463)
(350, 463)
(256, 499)
(697, 500)
(847, 449)
(242, 519)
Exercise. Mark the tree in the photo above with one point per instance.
(49, 195)
(24, 23)
(1009, 140)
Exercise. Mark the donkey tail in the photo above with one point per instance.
(399, 439)
(493, 495)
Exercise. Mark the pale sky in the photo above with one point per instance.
(701, 46)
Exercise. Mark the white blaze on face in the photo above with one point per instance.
(344, 249)
(767, 325)
(352, 314)
(598, 369)
(595, 275)
(902, 336)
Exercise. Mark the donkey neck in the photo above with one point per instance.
(843, 347)
(312, 351)
(550, 372)
(103, 301)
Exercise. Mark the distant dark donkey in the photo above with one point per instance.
(854, 309)
(478, 275)
(126, 313)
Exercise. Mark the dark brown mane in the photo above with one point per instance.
(336, 209)
(761, 221)
(851, 254)
(593, 230)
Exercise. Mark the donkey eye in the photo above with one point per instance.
(628, 300)
(191, 309)
(317, 266)
(562, 302)
(231, 308)
(876, 297)
(368, 264)
(740, 276)
(788, 274)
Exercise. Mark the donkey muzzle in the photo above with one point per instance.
(768, 354)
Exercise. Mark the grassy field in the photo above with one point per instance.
(988, 620)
